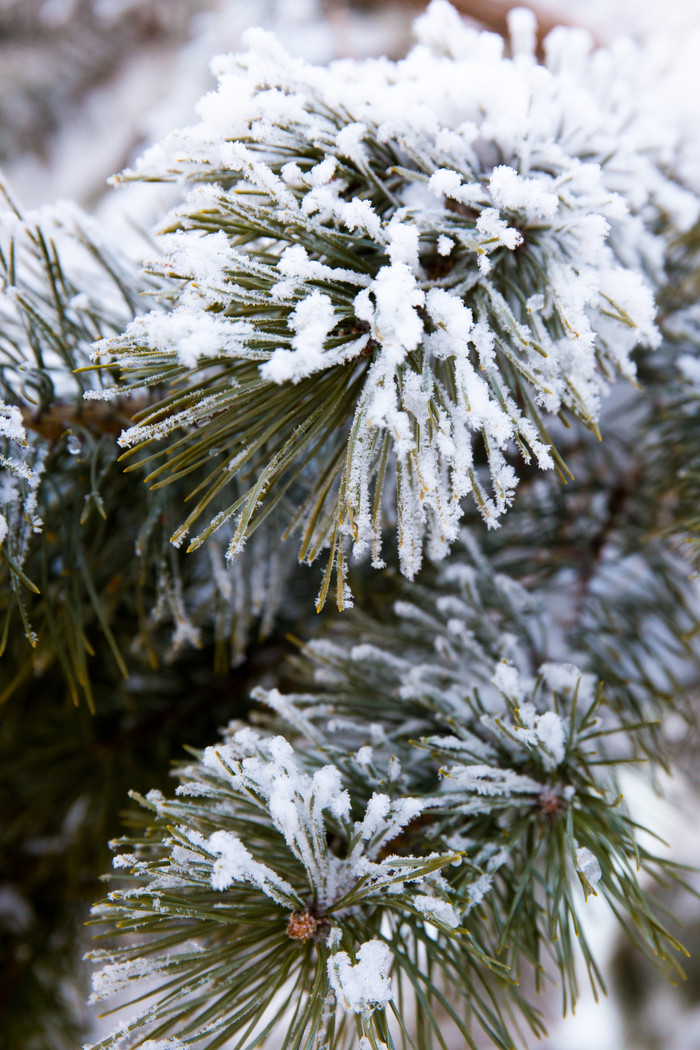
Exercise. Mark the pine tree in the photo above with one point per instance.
(423, 336)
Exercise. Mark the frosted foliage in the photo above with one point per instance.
(117, 976)
(20, 474)
(164, 1044)
(11, 425)
(195, 333)
(489, 781)
(544, 732)
(366, 984)
(260, 837)
(441, 911)
(299, 804)
(94, 296)
(507, 680)
(435, 774)
(567, 678)
(477, 234)
(235, 864)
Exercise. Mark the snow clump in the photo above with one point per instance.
(365, 985)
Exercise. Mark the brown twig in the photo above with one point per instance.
(99, 416)
(493, 15)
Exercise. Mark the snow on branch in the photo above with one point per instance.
(427, 817)
(411, 266)
(309, 895)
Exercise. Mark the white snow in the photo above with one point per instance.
(551, 735)
(531, 196)
(507, 679)
(546, 733)
(568, 678)
(444, 182)
(441, 911)
(299, 805)
(312, 319)
(116, 976)
(365, 985)
(11, 424)
(164, 1044)
(545, 178)
(364, 755)
(349, 142)
(522, 29)
(589, 866)
(490, 781)
(236, 864)
(444, 244)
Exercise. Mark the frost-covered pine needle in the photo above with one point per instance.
(389, 274)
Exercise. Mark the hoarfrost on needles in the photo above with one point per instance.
(235, 864)
(299, 804)
(520, 235)
(164, 1044)
(441, 911)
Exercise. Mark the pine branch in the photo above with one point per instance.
(284, 356)
(86, 558)
(390, 291)
(460, 758)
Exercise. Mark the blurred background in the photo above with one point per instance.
(85, 86)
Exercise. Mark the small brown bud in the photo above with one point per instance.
(302, 925)
(550, 803)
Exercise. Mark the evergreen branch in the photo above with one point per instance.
(487, 829)
(85, 550)
(439, 300)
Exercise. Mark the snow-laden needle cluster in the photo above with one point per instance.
(20, 475)
(84, 549)
(388, 275)
(256, 880)
(440, 809)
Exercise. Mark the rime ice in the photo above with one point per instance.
(474, 225)
(589, 866)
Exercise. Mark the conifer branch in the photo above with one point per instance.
(452, 792)
(309, 225)
(390, 292)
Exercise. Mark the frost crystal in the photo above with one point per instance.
(588, 865)
(472, 245)
(299, 805)
(117, 976)
(21, 468)
(164, 1044)
(365, 985)
(235, 864)
(434, 908)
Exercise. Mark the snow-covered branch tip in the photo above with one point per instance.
(429, 831)
(388, 275)
(312, 895)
